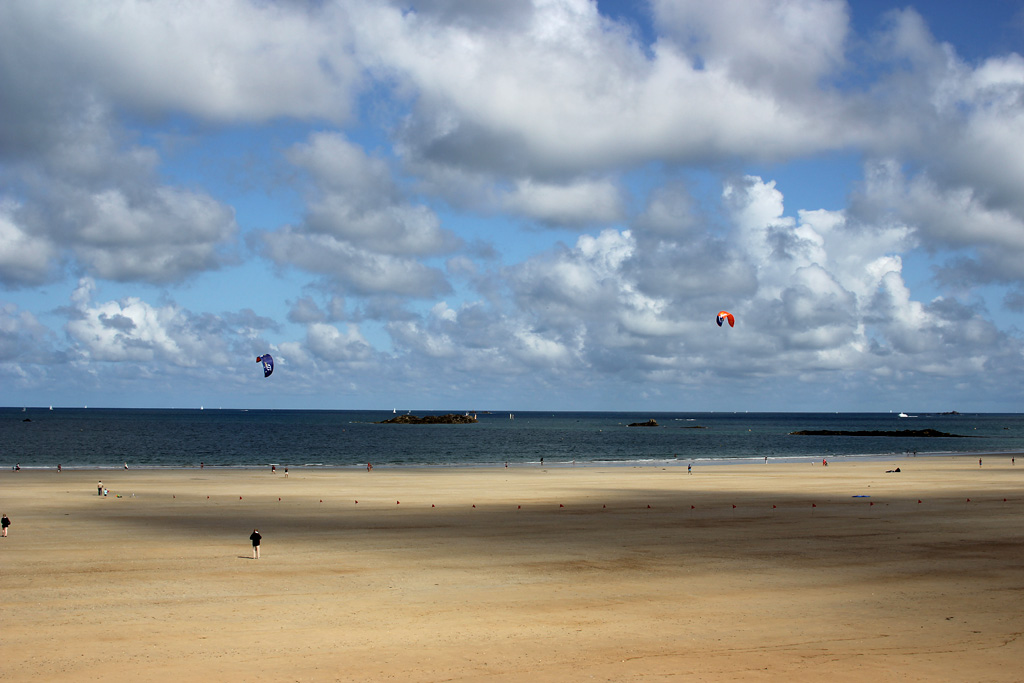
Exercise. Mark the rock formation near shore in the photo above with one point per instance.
(650, 423)
(902, 432)
(449, 419)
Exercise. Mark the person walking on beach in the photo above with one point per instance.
(689, 468)
(99, 488)
(255, 538)
(5, 522)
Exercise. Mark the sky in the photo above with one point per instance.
(495, 205)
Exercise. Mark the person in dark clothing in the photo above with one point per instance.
(255, 538)
(5, 522)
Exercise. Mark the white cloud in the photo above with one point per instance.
(353, 269)
(163, 236)
(25, 258)
(778, 44)
(571, 93)
(327, 342)
(359, 231)
(23, 339)
(580, 203)
(226, 61)
(132, 330)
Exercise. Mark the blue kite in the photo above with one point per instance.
(268, 364)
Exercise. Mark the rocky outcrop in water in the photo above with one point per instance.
(650, 423)
(902, 432)
(449, 419)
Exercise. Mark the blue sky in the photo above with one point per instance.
(456, 204)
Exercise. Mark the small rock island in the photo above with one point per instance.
(902, 432)
(449, 419)
(650, 423)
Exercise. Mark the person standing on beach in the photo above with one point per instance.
(255, 538)
(99, 488)
(5, 522)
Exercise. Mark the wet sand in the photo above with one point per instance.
(742, 572)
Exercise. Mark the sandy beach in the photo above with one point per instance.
(753, 572)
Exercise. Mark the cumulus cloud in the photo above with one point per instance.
(988, 240)
(358, 202)
(581, 203)
(331, 344)
(360, 232)
(353, 269)
(569, 91)
(23, 339)
(25, 258)
(89, 201)
(234, 60)
(133, 330)
(782, 45)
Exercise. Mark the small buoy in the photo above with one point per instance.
(733, 507)
(431, 505)
(968, 500)
(918, 500)
(474, 506)
(321, 500)
(239, 498)
(814, 505)
(278, 500)
(560, 505)
(648, 507)
(604, 506)
(398, 502)
(693, 507)
(871, 503)
(773, 507)
(357, 502)
(519, 507)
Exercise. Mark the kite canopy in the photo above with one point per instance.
(726, 315)
(268, 363)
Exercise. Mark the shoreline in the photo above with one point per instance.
(567, 464)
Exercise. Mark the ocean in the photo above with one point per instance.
(175, 438)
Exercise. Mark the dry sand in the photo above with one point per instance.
(735, 573)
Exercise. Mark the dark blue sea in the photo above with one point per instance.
(99, 438)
